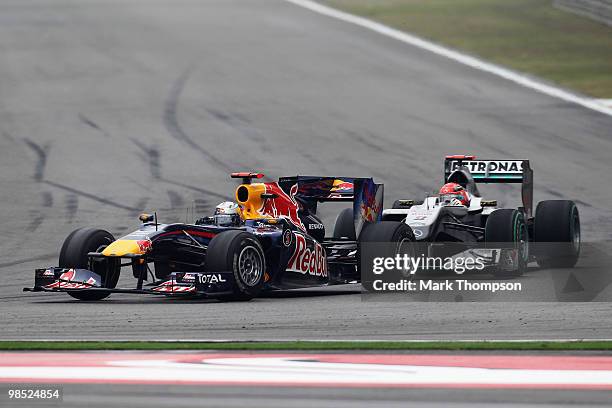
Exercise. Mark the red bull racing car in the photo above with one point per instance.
(274, 240)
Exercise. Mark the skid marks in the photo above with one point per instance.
(140, 206)
(170, 116)
(41, 152)
(37, 216)
(47, 199)
(176, 200)
(91, 196)
(201, 206)
(240, 124)
(211, 193)
(71, 204)
(150, 155)
(85, 120)
(42, 257)
(387, 149)
(6, 135)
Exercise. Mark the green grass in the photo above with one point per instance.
(307, 345)
(526, 35)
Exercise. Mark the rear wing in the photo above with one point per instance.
(321, 189)
(364, 193)
(494, 171)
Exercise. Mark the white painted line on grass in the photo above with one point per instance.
(456, 56)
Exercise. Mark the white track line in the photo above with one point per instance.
(455, 56)
(605, 102)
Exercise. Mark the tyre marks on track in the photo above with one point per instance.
(6, 135)
(387, 149)
(140, 206)
(41, 152)
(47, 199)
(16, 262)
(91, 196)
(198, 189)
(36, 220)
(242, 125)
(170, 116)
(176, 200)
(85, 120)
(37, 217)
(368, 142)
(71, 204)
(150, 155)
(201, 206)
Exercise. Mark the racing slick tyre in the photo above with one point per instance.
(508, 226)
(241, 253)
(74, 255)
(345, 225)
(384, 232)
(557, 222)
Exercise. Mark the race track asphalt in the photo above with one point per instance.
(109, 108)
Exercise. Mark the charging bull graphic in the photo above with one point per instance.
(340, 188)
(328, 188)
(283, 205)
(75, 279)
(368, 204)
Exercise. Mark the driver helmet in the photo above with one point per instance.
(227, 214)
(454, 194)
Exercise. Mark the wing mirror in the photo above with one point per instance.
(146, 218)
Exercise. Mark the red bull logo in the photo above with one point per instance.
(341, 189)
(65, 281)
(369, 206)
(307, 260)
(283, 206)
(47, 273)
(67, 276)
(172, 287)
(144, 245)
(342, 186)
(370, 214)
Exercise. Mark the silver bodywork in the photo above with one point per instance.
(422, 217)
